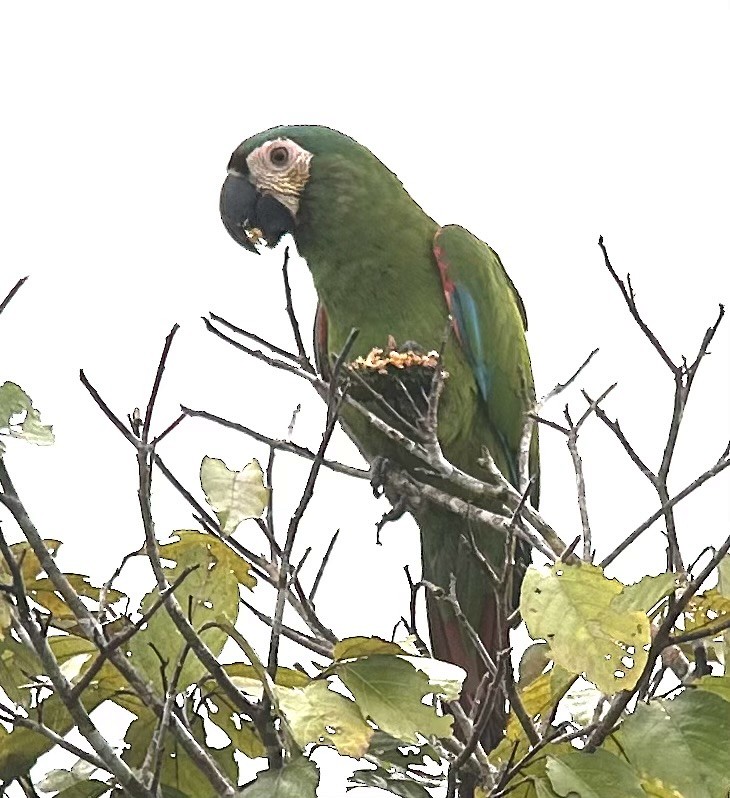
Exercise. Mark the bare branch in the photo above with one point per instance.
(719, 466)
(278, 445)
(323, 565)
(303, 358)
(36, 639)
(333, 406)
(628, 294)
(156, 385)
(13, 291)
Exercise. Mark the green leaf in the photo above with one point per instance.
(285, 677)
(233, 495)
(242, 734)
(719, 685)
(393, 752)
(178, 771)
(531, 780)
(445, 679)
(15, 402)
(682, 742)
(317, 715)
(597, 775)
(570, 606)
(533, 662)
(18, 665)
(297, 779)
(209, 592)
(84, 789)
(394, 783)
(390, 691)
(645, 594)
(20, 749)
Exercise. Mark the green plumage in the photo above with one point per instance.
(382, 265)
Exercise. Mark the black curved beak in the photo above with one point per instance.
(249, 215)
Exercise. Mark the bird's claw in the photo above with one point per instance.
(398, 510)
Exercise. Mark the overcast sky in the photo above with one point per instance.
(536, 125)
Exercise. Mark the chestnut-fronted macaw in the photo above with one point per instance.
(382, 265)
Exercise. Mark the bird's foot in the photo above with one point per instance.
(378, 475)
(398, 510)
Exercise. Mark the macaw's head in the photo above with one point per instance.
(280, 180)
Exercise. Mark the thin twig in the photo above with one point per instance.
(719, 466)
(13, 291)
(303, 358)
(333, 406)
(276, 444)
(35, 636)
(323, 565)
(277, 350)
(156, 384)
(91, 628)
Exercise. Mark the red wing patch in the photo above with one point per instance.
(446, 283)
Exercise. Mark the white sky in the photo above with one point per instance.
(536, 125)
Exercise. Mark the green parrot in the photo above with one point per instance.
(382, 265)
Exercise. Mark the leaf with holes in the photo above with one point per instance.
(316, 714)
(706, 608)
(570, 606)
(19, 419)
(391, 692)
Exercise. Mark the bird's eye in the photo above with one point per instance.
(279, 156)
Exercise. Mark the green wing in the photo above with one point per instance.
(489, 321)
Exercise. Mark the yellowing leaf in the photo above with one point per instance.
(351, 647)
(390, 691)
(30, 567)
(208, 592)
(318, 715)
(570, 606)
(6, 619)
(656, 788)
(241, 732)
(233, 495)
(723, 587)
(539, 697)
(285, 677)
(706, 608)
(223, 556)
